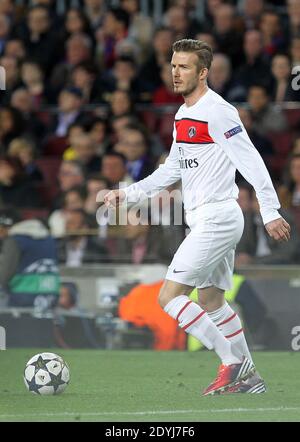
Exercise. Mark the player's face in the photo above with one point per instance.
(185, 72)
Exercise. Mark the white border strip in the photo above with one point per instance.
(152, 412)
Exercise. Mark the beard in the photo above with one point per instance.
(189, 89)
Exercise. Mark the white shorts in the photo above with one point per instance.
(206, 256)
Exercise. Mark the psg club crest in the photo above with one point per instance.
(192, 131)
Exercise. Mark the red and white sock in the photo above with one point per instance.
(194, 320)
(230, 326)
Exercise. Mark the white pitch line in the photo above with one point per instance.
(152, 412)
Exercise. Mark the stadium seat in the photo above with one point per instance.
(149, 119)
(49, 168)
(47, 193)
(293, 117)
(277, 164)
(34, 213)
(44, 117)
(165, 129)
(55, 146)
(282, 141)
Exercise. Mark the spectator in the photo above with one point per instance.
(210, 8)
(12, 77)
(28, 272)
(95, 10)
(272, 34)
(219, 79)
(289, 191)
(245, 196)
(73, 199)
(257, 247)
(114, 169)
(124, 77)
(134, 145)
(78, 50)
(33, 79)
(208, 38)
(84, 77)
(293, 9)
(228, 38)
(295, 51)
(76, 22)
(15, 48)
(39, 38)
(7, 7)
(79, 248)
(113, 31)
(164, 94)
(140, 26)
(68, 296)
(16, 189)
(24, 150)
(119, 122)
(143, 243)
(120, 104)
(94, 184)
(262, 143)
(162, 49)
(71, 174)
(84, 151)
(21, 100)
(256, 64)
(12, 125)
(69, 110)
(98, 132)
(4, 31)
(282, 80)
(266, 117)
(74, 130)
(177, 19)
(251, 13)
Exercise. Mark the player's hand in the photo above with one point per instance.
(279, 229)
(114, 198)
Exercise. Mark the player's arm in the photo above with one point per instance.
(165, 175)
(227, 130)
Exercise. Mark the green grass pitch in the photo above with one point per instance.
(147, 386)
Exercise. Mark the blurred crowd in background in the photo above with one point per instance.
(89, 103)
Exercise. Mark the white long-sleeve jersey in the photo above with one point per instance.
(209, 144)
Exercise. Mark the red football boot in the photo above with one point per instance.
(228, 376)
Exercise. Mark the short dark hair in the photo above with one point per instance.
(198, 47)
(96, 176)
(80, 190)
(119, 155)
(138, 127)
(37, 7)
(120, 15)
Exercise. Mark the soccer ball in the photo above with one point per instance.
(46, 374)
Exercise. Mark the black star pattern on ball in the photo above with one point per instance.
(32, 385)
(56, 381)
(40, 363)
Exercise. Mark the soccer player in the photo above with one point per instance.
(210, 143)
